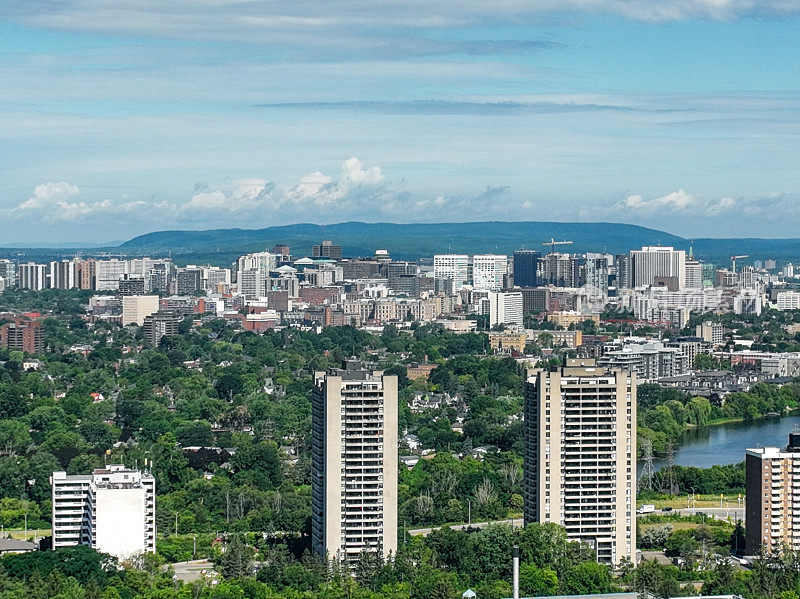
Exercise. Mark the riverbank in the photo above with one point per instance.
(725, 441)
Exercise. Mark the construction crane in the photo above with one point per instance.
(735, 258)
(553, 243)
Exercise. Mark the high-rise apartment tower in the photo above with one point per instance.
(580, 455)
(354, 463)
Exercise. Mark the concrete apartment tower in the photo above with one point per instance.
(772, 510)
(354, 462)
(580, 455)
(111, 510)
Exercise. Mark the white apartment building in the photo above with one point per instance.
(354, 463)
(488, 271)
(653, 262)
(135, 308)
(111, 510)
(580, 455)
(32, 276)
(788, 300)
(649, 360)
(108, 274)
(64, 274)
(711, 332)
(772, 482)
(505, 308)
(452, 266)
(694, 274)
(262, 261)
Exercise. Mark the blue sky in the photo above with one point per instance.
(120, 118)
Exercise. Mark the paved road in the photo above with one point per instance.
(723, 513)
(193, 570)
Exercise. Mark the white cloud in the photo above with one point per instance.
(719, 206)
(675, 201)
(326, 24)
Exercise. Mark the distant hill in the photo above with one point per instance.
(425, 239)
(409, 240)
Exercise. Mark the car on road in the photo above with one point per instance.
(666, 509)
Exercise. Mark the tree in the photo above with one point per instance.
(537, 582)
(587, 578)
(13, 435)
(236, 560)
(258, 464)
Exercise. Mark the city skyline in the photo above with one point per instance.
(125, 119)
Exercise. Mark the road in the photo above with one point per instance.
(735, 513)
(193, 570)
(426, 531)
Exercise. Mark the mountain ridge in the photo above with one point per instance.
(412, 240)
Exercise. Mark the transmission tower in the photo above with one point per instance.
(668, 483)
(646, 482)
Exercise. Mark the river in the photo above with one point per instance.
(726, 443)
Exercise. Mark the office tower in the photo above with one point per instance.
(32, 276)
(652, 262)
(505, 308)
(382, 256)
(109, 273)
(8, 272)
(772, 479)
(694, 275)
(560, 270)
(188, 280)
(251, 283)
(354, 463)
(525, 267)
(488, 271)
(111, 510)
(622, 263)
(135, 308)
(597, 272)
(23, 335)
(454, 267)
(215, 276)
(580, 455)
(158, 325)
(326, 249)
(281, 250)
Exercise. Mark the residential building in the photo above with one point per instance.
(504, 341)
(556, 338)
(354, 463)
(135, 308)
(505, 308)
(650, 360)
(130, 285)
(87, 274)
(711, 332)
(23, 335)
(251, 283)
(189, 280)
(772, 513)
(453, 267)
(788, 300)
(158, 325)
(108, 274)
(32, 276)
(111, 510)
(488, 271)
(652, 262)
(64, 274)
(327, 249)
(526, 263)
(580, 455)
(8, 272)
(568, 318)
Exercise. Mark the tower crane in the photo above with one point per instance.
(553, 243)
(735, 258)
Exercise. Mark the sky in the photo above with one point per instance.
(122, 117)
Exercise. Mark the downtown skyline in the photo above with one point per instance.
(122, 119)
